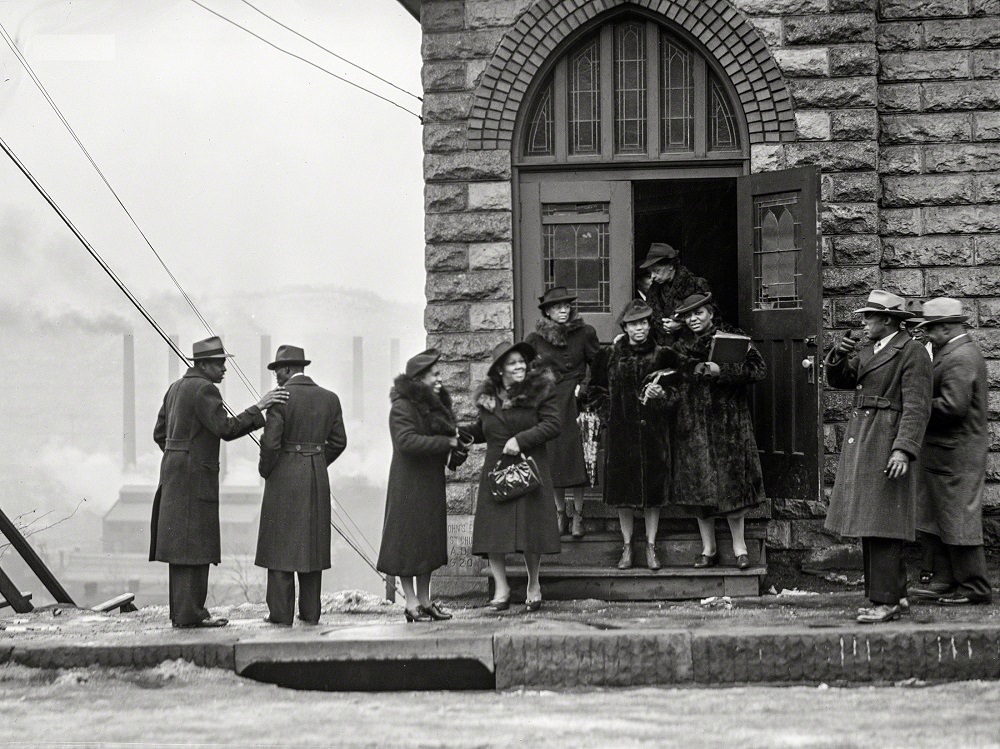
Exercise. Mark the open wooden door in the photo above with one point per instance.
(577, 235)
(781, 306)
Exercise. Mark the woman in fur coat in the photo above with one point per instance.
(518, 413)
(415, 532)
(637, 452)
(566, 345)
(716, 468)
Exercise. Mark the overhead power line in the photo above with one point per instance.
(331, 52)
(305, 60)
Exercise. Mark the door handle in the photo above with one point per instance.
(809, 364)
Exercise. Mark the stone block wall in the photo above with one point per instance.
(896, 101)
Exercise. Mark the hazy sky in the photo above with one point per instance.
(247, 169)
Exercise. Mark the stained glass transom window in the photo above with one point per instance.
(676, 97)
(541, 132)
(722, 130)
(576, 252)
(777, 248)
(585, 100)
(630, 88)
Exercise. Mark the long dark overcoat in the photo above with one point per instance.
(953, 457)
(529, 412)
(892, 405)
(637, 450)
(415, 531)
(191, 422)
(302, 437)
(567, 350)
(716, 466)
(664, 298)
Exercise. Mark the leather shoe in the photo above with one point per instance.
(500, 604)
(931, 590)
(626, 561)
(209, 623)
(706, 560)
(416, 615)
(562, 520)
(435, 612)
(651, 561)
(577, 531)
(533, 604)
(269, 620)
(879, 614)
(959, 599)
(743, 561)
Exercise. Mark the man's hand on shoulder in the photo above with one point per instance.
(272, 398)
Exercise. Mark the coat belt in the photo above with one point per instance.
(874, 401)
(180, 445)
(305, 448)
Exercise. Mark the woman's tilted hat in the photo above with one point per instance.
(423, 361)
(658, 253)
(693, 302)
(210, 348)
(634, 311)
(501, 350)
(555, 295)
(942, 309)
(883, 301)
(289, 356)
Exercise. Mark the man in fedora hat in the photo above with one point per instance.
(302, 437)
(185, 523)
(874, 496)
(953, 461)
(670, 283)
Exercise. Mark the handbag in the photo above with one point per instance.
(513, 477)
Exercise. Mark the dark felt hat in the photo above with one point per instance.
(210, 348)
(916, 308)
(634, 311)
(658, 253)
(693, 302)
(942, 309)
(423, 361)
(289, 356)
(501, 350)
(555, 295)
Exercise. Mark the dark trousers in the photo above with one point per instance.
(960, 567)
(281, 595)
(885, 570)
(188, 592)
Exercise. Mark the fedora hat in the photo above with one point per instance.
(210, 348)
(423, 361)
(289, 356)
(555, 295)
(659, 252)
(882, 301)
(634, 311)
(501, 350)
(693, 302)
(916, 308)
(942, 309)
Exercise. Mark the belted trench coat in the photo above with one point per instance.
(891, 407)
(302, 437)
(955, 446)
(191, 422)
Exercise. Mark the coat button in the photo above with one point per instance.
(861, 387)
(850, 441)
(298, 448)
(868, 413)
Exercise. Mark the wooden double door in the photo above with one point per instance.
(754, 238)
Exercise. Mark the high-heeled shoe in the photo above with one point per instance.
(435, 612)
(500, 604)
(533, 605)
(706, 560)
(743, 561)
(416, 615)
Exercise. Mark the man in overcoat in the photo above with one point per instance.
(185, 522)
(301, 439)
(874, 496)
(953, 461)
(670, 284)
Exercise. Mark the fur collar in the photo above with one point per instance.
(557, 333)
(624, 348)
(528, 394)
(436, 409)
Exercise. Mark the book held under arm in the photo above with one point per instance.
(728, 348)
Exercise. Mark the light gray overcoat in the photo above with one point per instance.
(955, 447)
(892, 405)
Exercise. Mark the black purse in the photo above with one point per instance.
(513, 476)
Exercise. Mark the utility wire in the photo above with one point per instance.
(305, 60)
(331, 52)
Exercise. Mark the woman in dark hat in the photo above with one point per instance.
(716, 468)
(566, 345)
(518, 413)
(633, 406)
(415, 532)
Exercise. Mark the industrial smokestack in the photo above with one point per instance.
(128, 403)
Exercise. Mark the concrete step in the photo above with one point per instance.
(562, 583)
(594, 507)
(673, 550)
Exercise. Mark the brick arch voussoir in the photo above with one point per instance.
(728, 36)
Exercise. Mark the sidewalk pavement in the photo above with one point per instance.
(363, 643)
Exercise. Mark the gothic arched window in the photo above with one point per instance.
(630, 91)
